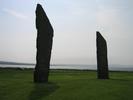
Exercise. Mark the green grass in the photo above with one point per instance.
(65, 85)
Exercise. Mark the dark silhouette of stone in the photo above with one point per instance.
(102, 60)
(44, 45)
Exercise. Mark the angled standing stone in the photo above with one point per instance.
(102, 61)
(44, 45)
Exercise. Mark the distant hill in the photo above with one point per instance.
(14, 63)
(17, 63)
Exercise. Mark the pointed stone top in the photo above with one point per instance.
(39, 7)
(99, 35)
(42, 20)
(40, 11)
(97, 32)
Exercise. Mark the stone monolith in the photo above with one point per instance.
(102, 60)
(44, 45)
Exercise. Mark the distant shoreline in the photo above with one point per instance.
(19, 68)
(16, 65)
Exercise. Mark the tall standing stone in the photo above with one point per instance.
(44, 45)
(102, 60)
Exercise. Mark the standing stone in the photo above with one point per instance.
(44, 45)
(102, 60)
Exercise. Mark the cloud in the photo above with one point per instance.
(15, 13)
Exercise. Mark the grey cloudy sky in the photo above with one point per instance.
(75, 23)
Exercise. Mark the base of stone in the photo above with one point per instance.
(103, 76)
(41, 76)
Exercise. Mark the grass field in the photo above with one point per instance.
(65, 85)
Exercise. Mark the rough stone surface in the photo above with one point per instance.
(102, 60)
(44, 45)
